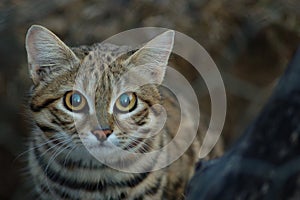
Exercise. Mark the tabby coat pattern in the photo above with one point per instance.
(81, 106)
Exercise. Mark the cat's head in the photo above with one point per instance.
(103, 95)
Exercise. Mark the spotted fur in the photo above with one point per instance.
(60, 161)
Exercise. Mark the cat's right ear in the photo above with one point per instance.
(47, 54)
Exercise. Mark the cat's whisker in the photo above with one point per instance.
(56, 153)
(142, 146)
(54, 146)
(38, 146)
(66, 157)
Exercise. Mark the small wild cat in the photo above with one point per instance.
(80, 106)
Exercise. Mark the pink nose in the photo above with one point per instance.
(102, 135)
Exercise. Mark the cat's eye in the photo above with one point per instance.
(126, 102)
(74, 101)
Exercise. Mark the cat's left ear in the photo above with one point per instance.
(47, 54)
(154, 56)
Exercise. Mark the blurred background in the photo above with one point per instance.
(251, 42)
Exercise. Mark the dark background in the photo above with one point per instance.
(250, 41)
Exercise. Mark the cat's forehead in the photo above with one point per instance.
(105, 53)
(99, 66)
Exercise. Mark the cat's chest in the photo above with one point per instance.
(83, 178)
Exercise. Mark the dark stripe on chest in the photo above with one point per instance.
(86, 185)
(54, 192)
(79, 164)
(152, 190)
(155, 188)
(64, 195)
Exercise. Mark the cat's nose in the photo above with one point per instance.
(102, 134)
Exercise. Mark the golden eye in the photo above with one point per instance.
(74, 101)
(127, 102)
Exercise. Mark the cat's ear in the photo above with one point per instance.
(47, 54)
(154, 56)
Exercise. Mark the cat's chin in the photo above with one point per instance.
(100, 148)
(103, 151)
(109, 154)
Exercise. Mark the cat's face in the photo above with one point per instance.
(106, 99)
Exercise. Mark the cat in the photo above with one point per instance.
(81, 107)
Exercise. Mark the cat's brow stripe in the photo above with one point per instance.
(44, 104)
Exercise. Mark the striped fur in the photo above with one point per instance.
(60, 161)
